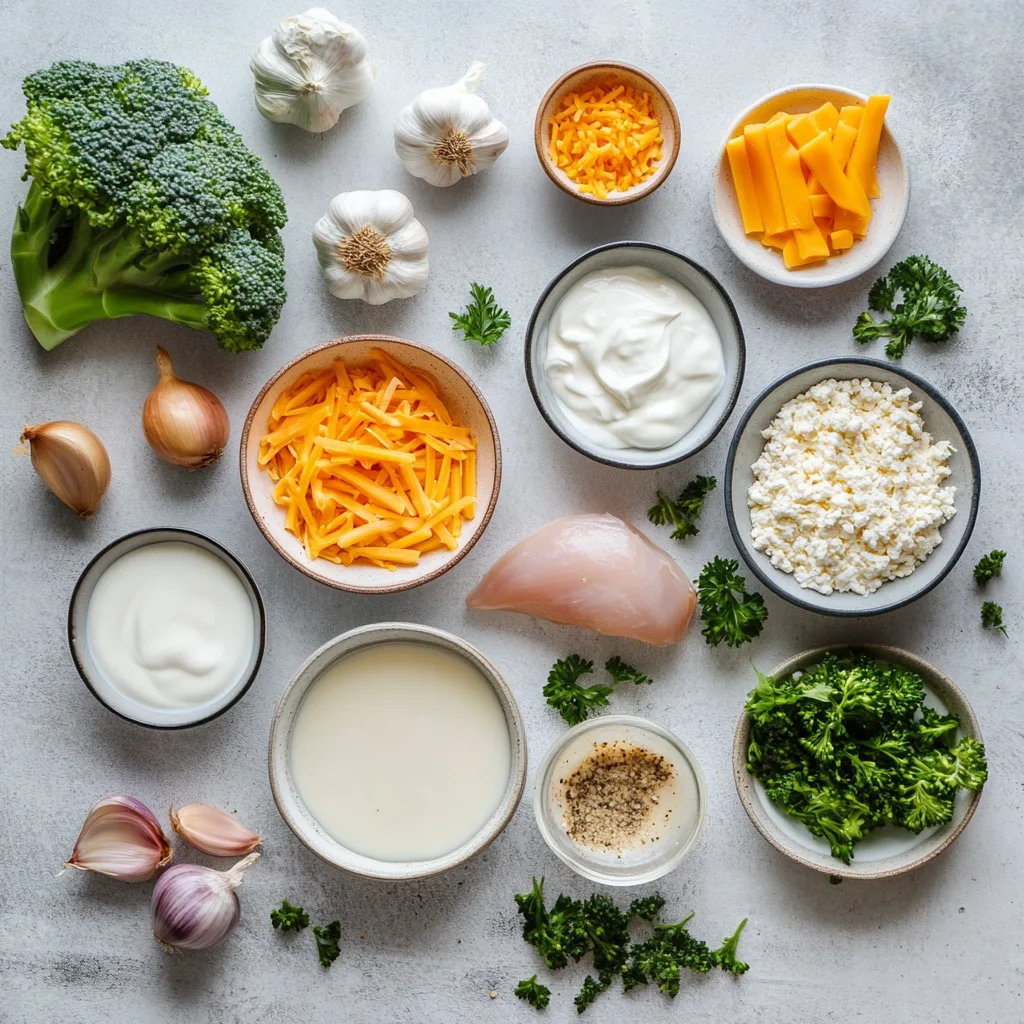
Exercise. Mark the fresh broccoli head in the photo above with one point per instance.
(143, 200)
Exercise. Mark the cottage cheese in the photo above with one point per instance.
(848, 491)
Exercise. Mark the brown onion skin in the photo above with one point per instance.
(184, 423)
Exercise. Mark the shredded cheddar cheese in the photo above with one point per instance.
(606, 138)
(368, 464)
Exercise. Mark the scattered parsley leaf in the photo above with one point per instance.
(484, 321)
(327, 938)
(646, 908)
(989, 566)
(289, 918)
(728, 619)
(682, 512)
(929, 307)
(533, 992)
(992, 616)
(564, 693)
(725, 955)
(623, 673)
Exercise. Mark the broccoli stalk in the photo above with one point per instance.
(143, 200)
(95, 274)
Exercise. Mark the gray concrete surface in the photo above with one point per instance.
(940, 945)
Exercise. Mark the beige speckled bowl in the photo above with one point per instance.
(286, 794)
(467, 406)
(664, 109)
(886, 852)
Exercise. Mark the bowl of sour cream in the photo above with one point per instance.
(166, 628)
(635, 355)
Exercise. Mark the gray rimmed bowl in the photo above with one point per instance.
(286, 795)
(105, 692)
(707, 290)
(885, 852)
(941, 420)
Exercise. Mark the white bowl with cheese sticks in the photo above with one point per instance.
(851, 487)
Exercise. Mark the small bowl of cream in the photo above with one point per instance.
(166, 628)
(635, 355)
(620, 800)
(397, 751)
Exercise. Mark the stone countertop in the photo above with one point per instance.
(939, 945)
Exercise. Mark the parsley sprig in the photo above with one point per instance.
(727, 618)
(289, 918)
(327, 938)
(484, 321)
(682, 512)
(992, 617)
(573, 701)
(928, 307)
(989, 566)
(533, 992)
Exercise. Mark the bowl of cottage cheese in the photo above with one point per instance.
(851, 487)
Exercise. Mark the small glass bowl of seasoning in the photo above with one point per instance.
(166, 628)
(620, 800)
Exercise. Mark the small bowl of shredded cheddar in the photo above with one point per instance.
(607, 133)
(371, 464)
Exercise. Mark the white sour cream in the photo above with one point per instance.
(170, 626)
(633, 358)
(401, 751)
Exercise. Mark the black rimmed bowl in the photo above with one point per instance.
(703, 286)
(941, 420)
(93, 677)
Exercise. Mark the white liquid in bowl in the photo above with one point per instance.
(401, 751)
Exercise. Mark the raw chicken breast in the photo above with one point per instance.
(596, 571)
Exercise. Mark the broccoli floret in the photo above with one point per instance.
(143, 200)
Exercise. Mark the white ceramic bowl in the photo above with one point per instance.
(889, 209)
(941, 421)
(466, 404)
(886, 851)
(636, 866)
(706, 289)
(93, 677)
(286, 794)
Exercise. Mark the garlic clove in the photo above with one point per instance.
(213, 831)
(71, 460)
(121, 838)
(195, 907)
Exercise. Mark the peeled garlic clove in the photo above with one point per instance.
(195, 907)
(446, 134)
(71, 460)
(184, 423)
(213, 831)
(121, 838)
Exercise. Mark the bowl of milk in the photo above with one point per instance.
(397, 751)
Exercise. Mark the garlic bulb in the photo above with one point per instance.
(195, 907)
(122, 838)
(213, 831)
(446, 134)
(310, 69)
(371, 247)
(71, 461)
(183, 422)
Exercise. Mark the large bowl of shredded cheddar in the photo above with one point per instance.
(370, 463)
(607, 133)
